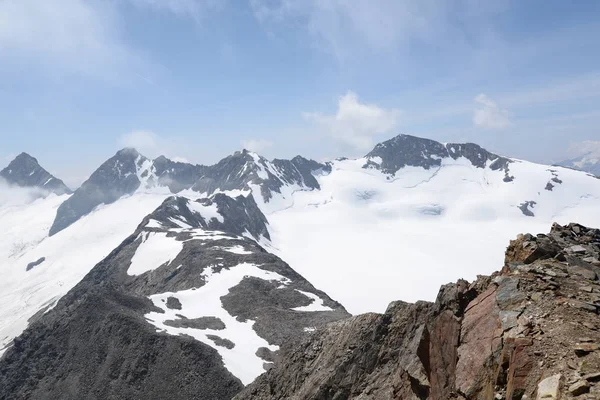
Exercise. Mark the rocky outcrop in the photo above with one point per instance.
(530, 331)
(25, 171)
(406, 150)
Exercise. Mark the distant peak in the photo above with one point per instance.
(24, 157)
(128, 151)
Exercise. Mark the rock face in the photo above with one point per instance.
(189, 306)
(25, 171)
(405, 150)
(530, 331)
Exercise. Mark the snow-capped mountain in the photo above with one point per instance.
(189, 290)
(408, 217)
(25, 171)
(128, 171)
(588, 162)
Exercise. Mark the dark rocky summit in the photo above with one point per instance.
(118, 176)
(25, 171)
(530, 331)
(406, 150)
(103, 341)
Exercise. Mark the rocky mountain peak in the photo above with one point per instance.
(529, 331)
(25, 171)
(406, 150)
(121, 174)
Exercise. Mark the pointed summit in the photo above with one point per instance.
(25, 171)
(119, 175)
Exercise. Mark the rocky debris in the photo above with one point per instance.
(25, 171)
(514, 335)
(579, 388)
(34, 264)
(406, 150)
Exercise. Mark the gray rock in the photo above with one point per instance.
(219, 341)
(197, 323)
(406, 150)
(34, 264)
(25, 171)
(525, 208)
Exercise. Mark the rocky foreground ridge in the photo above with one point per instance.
(530, 331)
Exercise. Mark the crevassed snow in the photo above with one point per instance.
(315, 305)
(205, 301)
(155, 250)
(367, 239)
(207, 212)
(70, 254)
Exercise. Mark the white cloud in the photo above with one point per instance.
(193, 8)
(81, 37)
(152, 145)
(355, 123)
(256, 145)
(76, 36)
(488, 115)
(145, 142)
(590, 148)
(341, 25)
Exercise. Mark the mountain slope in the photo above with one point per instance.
(25, 171)
(588, 162)
(185, 307)
(529, 331)
(375, 219)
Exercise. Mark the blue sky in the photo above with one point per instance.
(198, 79)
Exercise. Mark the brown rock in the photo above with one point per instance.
(480, 338)
(585, 348)
(579, 388)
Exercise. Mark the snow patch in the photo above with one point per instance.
(155, 250)
(241, 360)
(315, 305)
(207, 212)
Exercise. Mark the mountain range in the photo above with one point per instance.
(162, 279)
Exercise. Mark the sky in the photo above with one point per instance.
(198, 79)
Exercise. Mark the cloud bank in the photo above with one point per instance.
(356, 124)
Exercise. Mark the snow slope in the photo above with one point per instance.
(69, 255)
(367, 238)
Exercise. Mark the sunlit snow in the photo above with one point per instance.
(155, 250)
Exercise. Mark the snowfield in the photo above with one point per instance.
(69, 255)
(367, 239)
